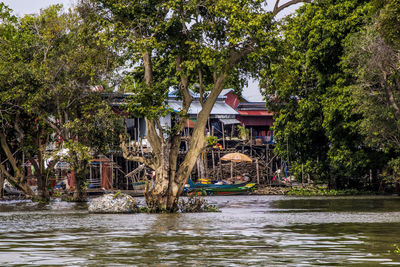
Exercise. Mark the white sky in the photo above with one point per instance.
(22, 7)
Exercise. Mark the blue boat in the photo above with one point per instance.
(193, 185)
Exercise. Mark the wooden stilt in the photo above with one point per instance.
(258, 172)
(220, 164)
(251, 142)
(213, 160)
(112, 171)
(205, 162)
(223, 136)
(231, 169)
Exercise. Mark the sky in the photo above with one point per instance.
(22, 7)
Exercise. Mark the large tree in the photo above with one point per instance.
(179, 44)
(22, 136)
(54, 67)
(71, 65)
(316, 128)
(373, 58)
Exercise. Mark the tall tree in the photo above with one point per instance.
(373, 58)
(179, 44)
(70, 65)
(54, 67)
(20, 132)
(315, 125)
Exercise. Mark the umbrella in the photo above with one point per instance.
(236, 157)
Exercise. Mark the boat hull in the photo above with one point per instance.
(218, 191)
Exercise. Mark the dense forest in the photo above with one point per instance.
(335, 89)
(329, 72)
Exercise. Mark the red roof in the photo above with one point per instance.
(255, 113)
(189, 124)
(256, 121)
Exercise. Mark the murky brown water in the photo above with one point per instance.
(250, 231)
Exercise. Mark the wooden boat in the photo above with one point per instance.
(193, 185)
(221, 191)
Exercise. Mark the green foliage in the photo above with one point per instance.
(211, 140)
(191, 40)
(244, 133)
(396, 249)
(315, 126)
(117, 194)
(322, 191)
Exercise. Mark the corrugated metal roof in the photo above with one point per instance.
(255, 113)
(229, 121)
(220, 108)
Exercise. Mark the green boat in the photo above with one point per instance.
(217, 191)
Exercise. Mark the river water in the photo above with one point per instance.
(249, 231)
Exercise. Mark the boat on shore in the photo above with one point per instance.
(219, 190)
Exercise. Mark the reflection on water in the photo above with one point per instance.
(250, 230)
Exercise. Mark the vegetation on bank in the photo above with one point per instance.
(324, 191)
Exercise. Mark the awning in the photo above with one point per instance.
(229, 121)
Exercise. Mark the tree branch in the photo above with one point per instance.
(153, 137)
(9, 155)
(127, 154)
(278, 8)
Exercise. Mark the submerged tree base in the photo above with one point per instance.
(189, 205)
(196, 204)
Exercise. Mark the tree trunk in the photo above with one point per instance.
(1, 184)
(159, 196)
(79, 192)
(42, 188)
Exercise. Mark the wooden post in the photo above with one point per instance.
(223, 135)
(126, 170)
(267, 160)
(138, 129)
(231, 169)
(112, 171)
(258, 173)
(232, 131)
(90, 173)
(251, 142)
(1, 182)
(135, 135)
(213, 159)
(220, 164)
(198, 168)
(205, 161)
(101, 173)
(127, 182)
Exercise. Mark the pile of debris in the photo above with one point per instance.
(113, 203)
